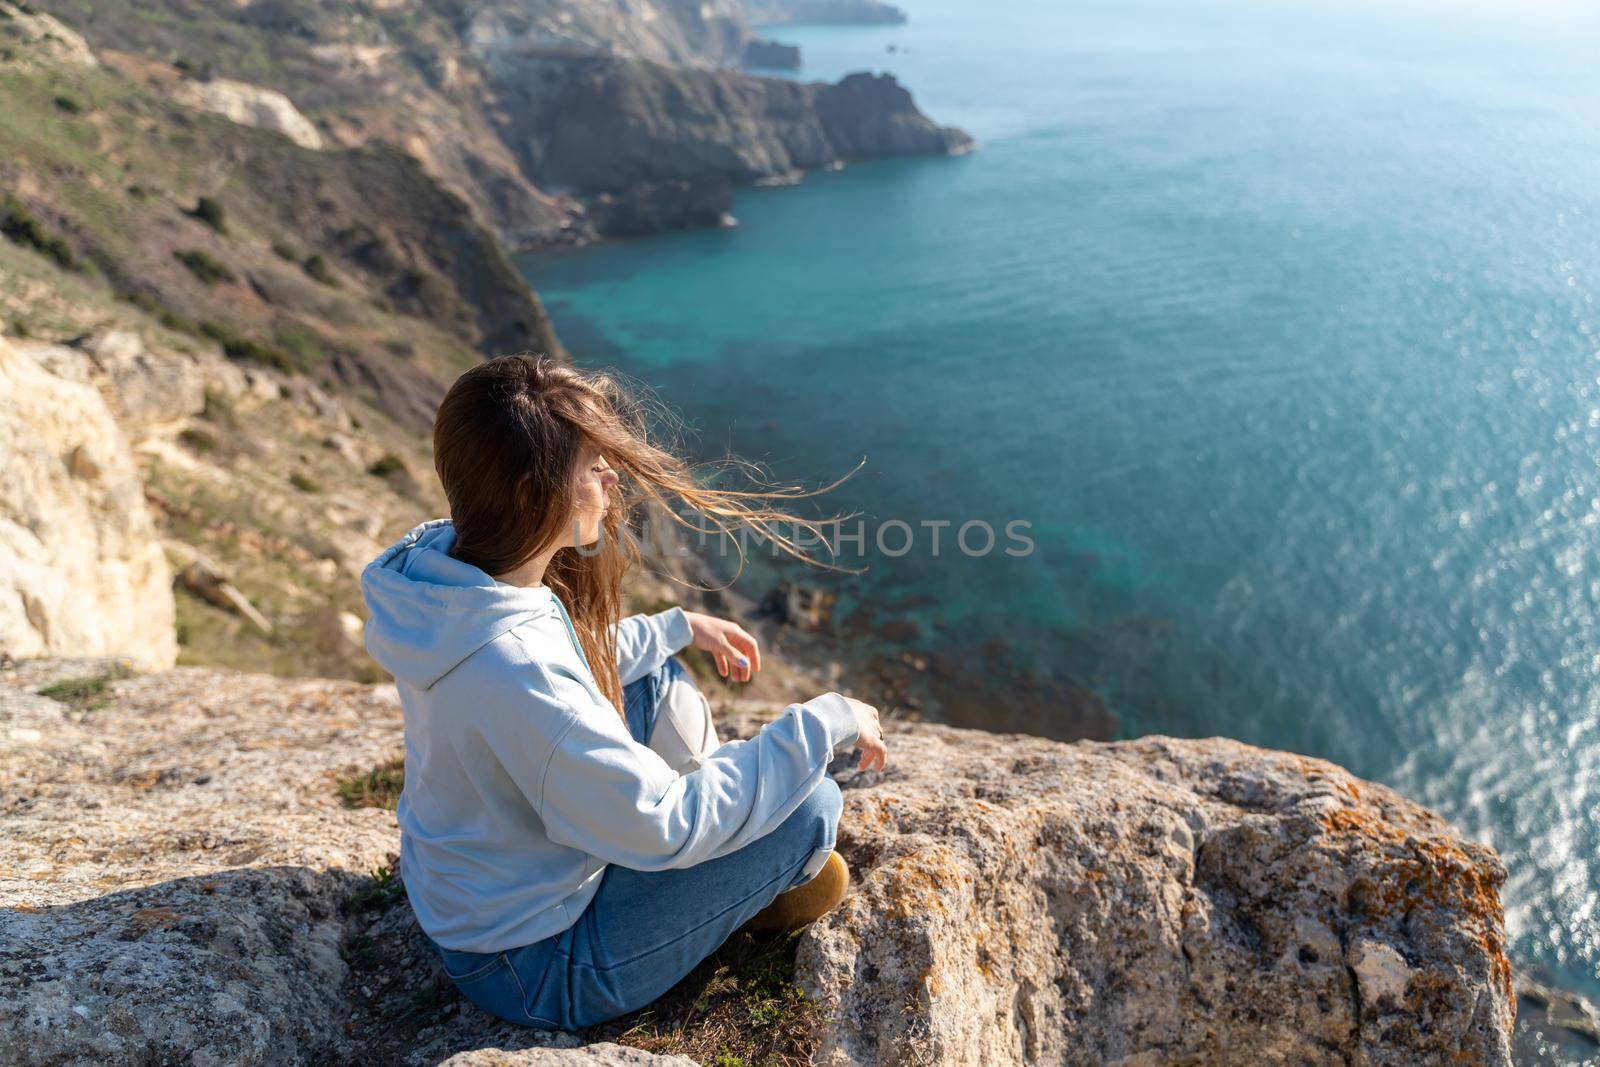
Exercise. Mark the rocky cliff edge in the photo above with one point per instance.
(179, 871)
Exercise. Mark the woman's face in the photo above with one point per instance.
(592, 495)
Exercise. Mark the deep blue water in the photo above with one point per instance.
(1276, 321)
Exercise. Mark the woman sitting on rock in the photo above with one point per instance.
(573, 839)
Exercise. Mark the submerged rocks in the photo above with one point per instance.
(178, 872)
(803, 606)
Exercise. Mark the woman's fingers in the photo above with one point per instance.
(722, 663)
(744, 644)
(742, 652)
(736, 656)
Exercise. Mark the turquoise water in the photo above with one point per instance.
(1278, 324)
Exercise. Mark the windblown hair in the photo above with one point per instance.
(507, 440)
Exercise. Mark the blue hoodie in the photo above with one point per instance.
(522, 780)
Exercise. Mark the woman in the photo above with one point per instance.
(564, 869)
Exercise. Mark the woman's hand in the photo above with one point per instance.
(729, 644)
(874, 753)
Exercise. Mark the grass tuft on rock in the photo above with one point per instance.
(739, 1006)
(378, 788)
(384, 890)
(87, 693)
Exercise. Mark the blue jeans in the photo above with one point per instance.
(644, 930)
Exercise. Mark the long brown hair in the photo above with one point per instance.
(506, 443)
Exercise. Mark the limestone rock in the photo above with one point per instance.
(318, 403)
(149, 390)
(44, 35)
(175, 866)
(1152, 901)
(180, 880)
(702, 33)
(178, 872)
(63, 361)
(85, 573)
(249, 105)
(346, 448)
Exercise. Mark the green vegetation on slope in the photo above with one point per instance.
(387, 262)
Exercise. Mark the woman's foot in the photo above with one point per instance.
(805, 903)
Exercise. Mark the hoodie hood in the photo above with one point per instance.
(430, 611)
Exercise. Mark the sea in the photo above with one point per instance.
(1261, 336)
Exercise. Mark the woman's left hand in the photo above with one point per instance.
(730, 645)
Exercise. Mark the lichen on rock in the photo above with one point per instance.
(178, 872)
(1153, 901)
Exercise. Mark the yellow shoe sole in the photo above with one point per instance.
(805, 903)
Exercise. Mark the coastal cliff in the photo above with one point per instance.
(866, 12)
(477, 95)
(228, 317)
(194, 863)
(678, 140)
(203, 858)
(690, 33)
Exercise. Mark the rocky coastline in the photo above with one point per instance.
(558, 122)
(229, 315)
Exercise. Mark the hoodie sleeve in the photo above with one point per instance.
(604, 793)
(645, 641)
